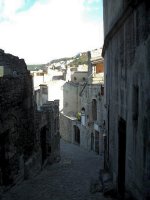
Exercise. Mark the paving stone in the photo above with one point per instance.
(70, 179)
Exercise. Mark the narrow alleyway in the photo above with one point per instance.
(67, 180)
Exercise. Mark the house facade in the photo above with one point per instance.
(127, 79)
(92, 106)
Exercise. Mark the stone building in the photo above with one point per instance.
(92, 106)
(39, 77)
(79, 76)
(71, 107)
(41, 95)
(28, 138)
(127, 73)
(45, 83)
(82, 120)
(48, 136)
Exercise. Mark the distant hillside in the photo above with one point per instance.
(79, 60)
(60, 59)
(35, 67)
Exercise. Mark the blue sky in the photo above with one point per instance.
(94, 9)
(26, 5)
(40, 30)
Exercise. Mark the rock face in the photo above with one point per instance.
(127, 74)
(23, 130)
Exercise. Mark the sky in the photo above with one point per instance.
(41, 30)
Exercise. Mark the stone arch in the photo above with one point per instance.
(76, 134)
(83, 109)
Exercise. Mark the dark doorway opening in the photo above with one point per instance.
(43, 143)
(4, 161)
(97, 142)
(77, 134)
(94, 109)
(92, 141)
(121, 155)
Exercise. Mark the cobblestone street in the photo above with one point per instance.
(67, 180)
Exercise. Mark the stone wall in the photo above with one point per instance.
(51, 110)
(92, 124)
(17, 135)
(127, 72)
(66, 127)
(41, 95)
(111, 12)
(28, 138)
(79, 76)
(85, 138)
(71, 103)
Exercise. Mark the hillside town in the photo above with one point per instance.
(78, 127)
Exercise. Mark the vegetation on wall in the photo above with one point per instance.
(60, 59)
(80, 60)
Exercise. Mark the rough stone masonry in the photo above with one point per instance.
(28, 138)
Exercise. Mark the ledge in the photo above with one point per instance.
(117, 25)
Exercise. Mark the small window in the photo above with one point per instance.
(83, 78)
(75, 78)
(83, 109)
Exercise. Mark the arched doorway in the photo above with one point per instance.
(77, 134)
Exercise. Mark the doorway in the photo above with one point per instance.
(77, 134)
(121, 155)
